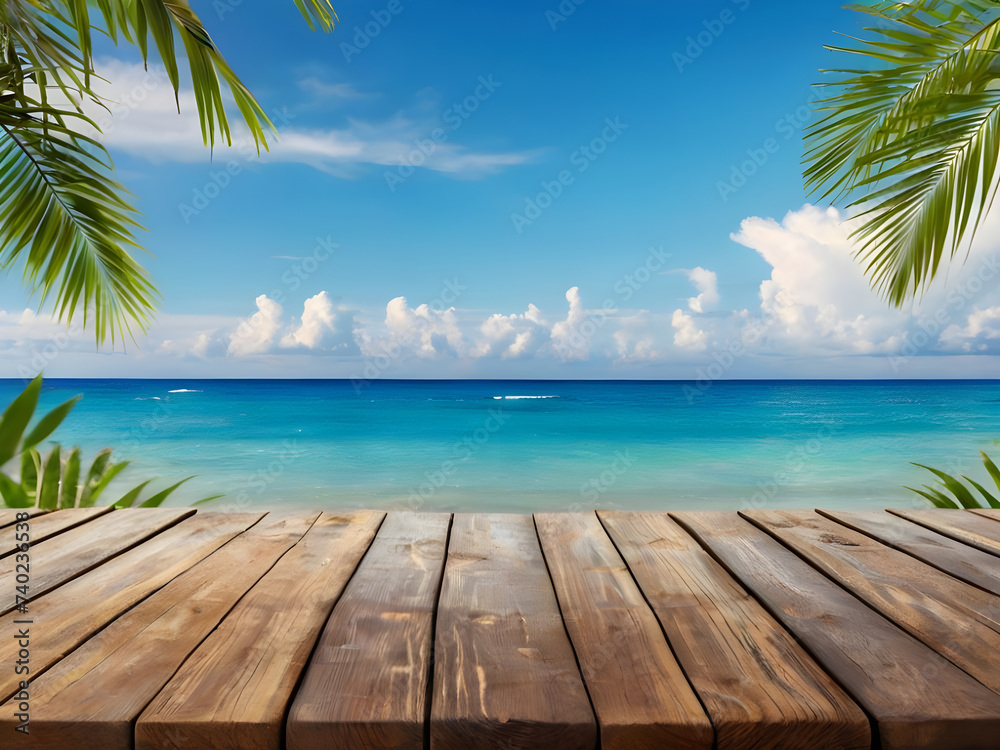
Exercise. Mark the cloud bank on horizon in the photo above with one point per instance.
(815, 304)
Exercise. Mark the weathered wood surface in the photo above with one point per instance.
(78, 550)
(504, 669)
(48, 525)
(640, 694)
(233, 690)
(93, 696)
(920, 599)
(759, 686)
(918, 698)
(366, 684)
(78, 609)
(155, 628)
(944, 553)
(965, 526)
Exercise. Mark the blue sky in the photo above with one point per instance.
(505, 191)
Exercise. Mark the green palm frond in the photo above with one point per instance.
(914, 138)
(65, 221)
(62, 218)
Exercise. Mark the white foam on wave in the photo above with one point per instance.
(498, 398)
(184, 390)
(142, 398)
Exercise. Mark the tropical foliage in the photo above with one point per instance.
(64, 220)
(910, 134)
(949, 492)
(56, 480)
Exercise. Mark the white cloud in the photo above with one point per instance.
(323, 327)
(424, 331)
(569, 337)
(687, 335)
(512, 336)
(257, 334)
(640, 339)
(144, 122)
(979, 334)
(707, 283)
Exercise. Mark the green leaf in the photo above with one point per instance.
(991, 468)
(70, 484)
(15, 419)
(31, 464)
(936, 498)
(49, 495)
(129, 498)
(99, 478)
(12, 494)
(156, 500)
(207, 499)
(990, 499)
(47, 424)
(959, 490)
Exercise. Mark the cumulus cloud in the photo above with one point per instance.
(425, 331)
(256, 335)
(817, 297)
(981, 332)
(512, 336)
(639, 339)
(687, 335)
(707, 283)
(569, 337)
(322, 327)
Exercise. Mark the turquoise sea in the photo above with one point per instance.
(534, 445)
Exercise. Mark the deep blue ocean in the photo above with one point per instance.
(533, 445)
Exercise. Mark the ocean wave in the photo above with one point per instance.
(185, 390)
(498, 398)
(143, 398)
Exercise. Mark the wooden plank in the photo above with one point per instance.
(918, 698)
(992, 513)
(944, 553)
(965, 526)
(959, 621)
(639, 693)
(504, 670)
(92, 697)
(367, 682)
(9, 516)
(234, 689)
(48, 525)
(78, 609)
(74, 552)
(761, 689)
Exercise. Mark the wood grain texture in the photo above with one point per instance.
(93, 696)
(75, 611)
(968, 527)
(62, 558)
(761, 689)
(944, 553)
(959, 621)
(9, 515)
(48, 525)
(366, 684)
(234, 690)
(917, 697)
(640, 694)
(504, 673)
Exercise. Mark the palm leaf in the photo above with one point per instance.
(914, 139)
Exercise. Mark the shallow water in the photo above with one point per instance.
(534, 445)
